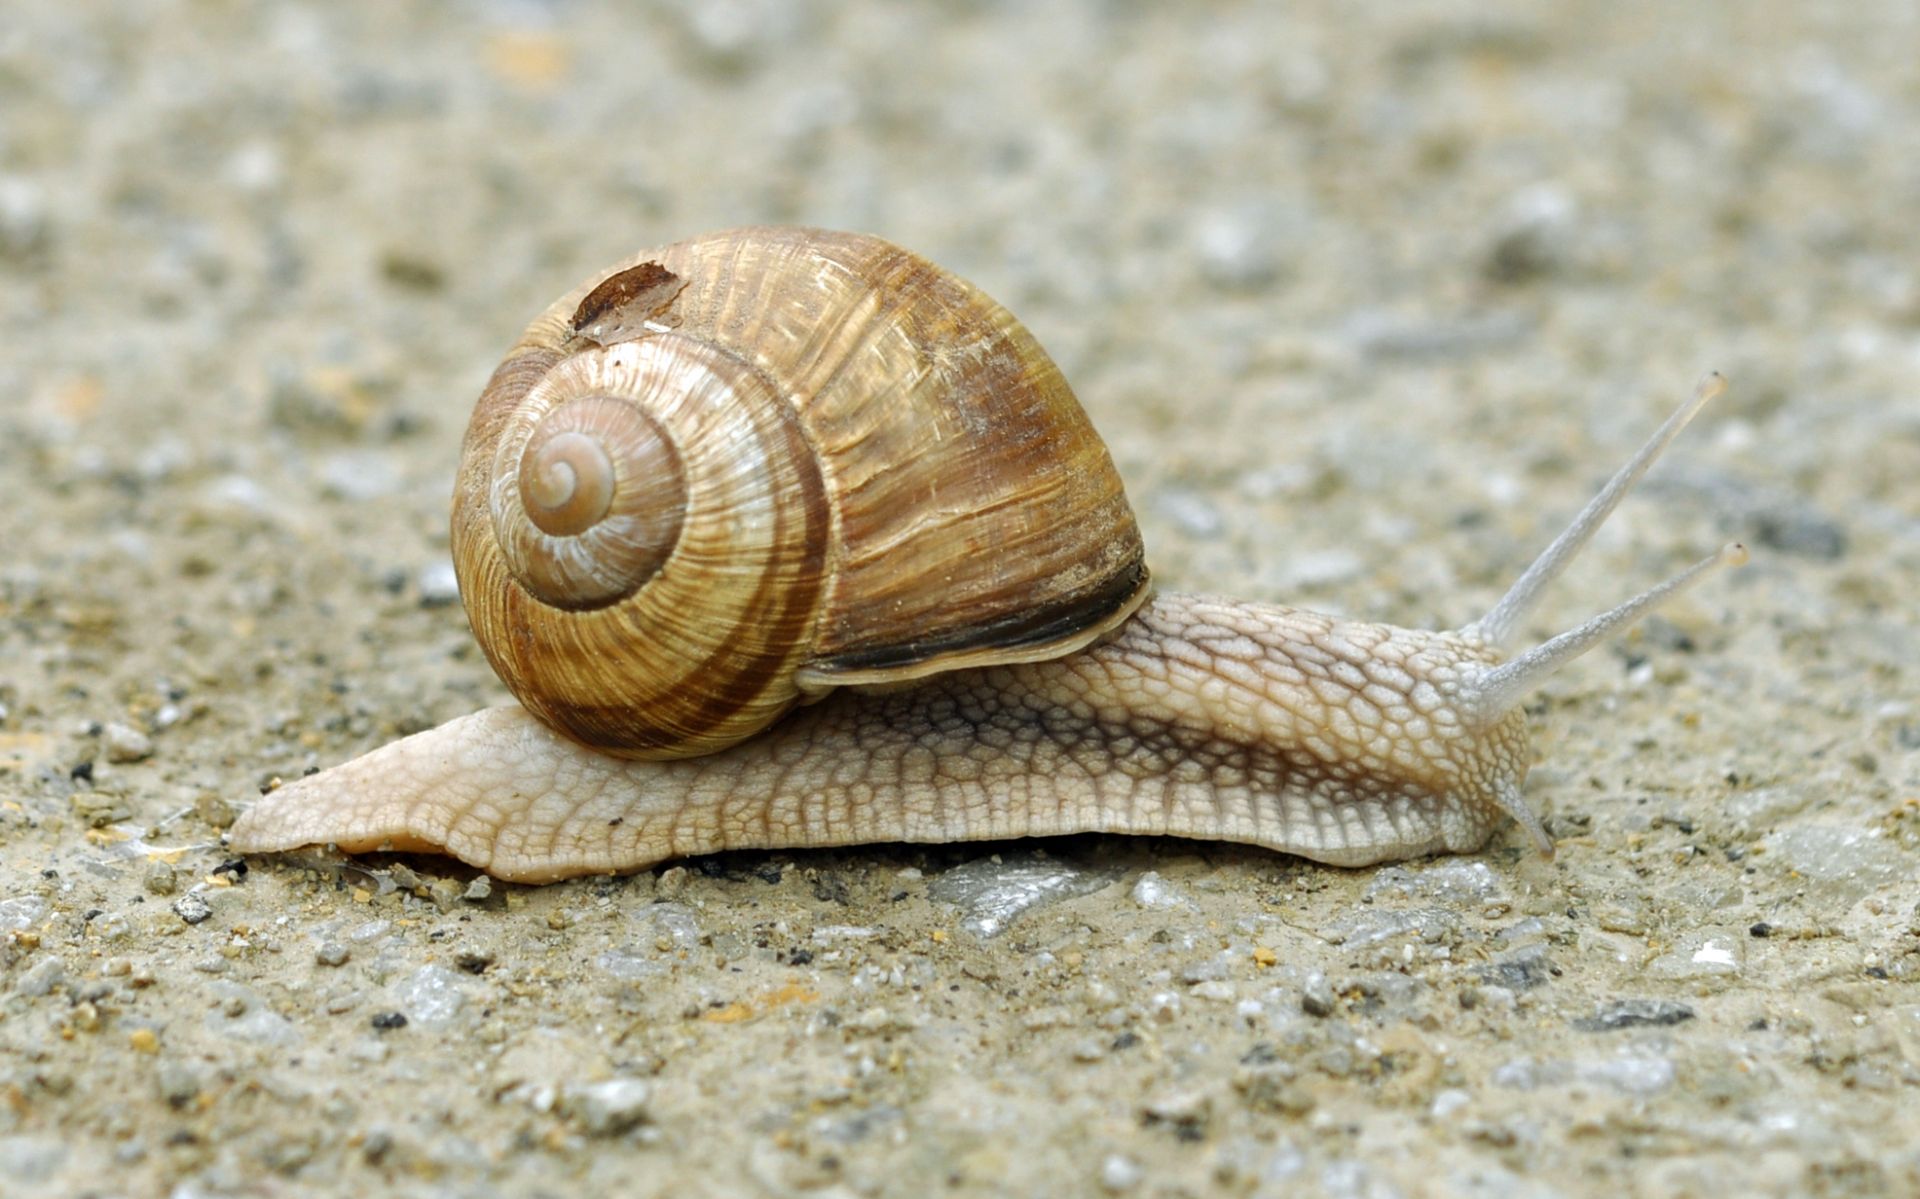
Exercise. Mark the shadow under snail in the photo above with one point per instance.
(788, 538)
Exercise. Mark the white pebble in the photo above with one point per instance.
(41, 978)
(611, 1107)
(1152, 891)
(439, 586)
(124, 743)
(432, 995)
(1120, 1173)
(1237, 247)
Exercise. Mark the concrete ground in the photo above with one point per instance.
(1367, 300)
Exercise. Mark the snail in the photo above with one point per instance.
(784, 538)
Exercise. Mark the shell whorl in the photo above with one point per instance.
(757, 465)
(588, 498)
(672, 623)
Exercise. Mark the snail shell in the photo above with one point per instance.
(738, 471)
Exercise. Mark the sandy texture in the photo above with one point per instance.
(1366, 305)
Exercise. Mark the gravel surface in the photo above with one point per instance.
(1403, 282)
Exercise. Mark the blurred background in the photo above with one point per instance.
(1366, 297)
(317, 225)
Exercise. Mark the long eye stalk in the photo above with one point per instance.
(1503, 686)
(1498, 625)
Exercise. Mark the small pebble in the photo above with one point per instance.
(1179, 1107)
(191, 908)
(480, 889)
(1316, 998)
(331, 953)
(678, 927)
(1047, 1017)
(1449, 1101)
(213, 810)
(432, 995)
(1640, 1075)
(1152, 891)
(100, 808)
(1489, 997)
(124, 743)
(257, 1026)
(1702, 954)
(672, 882)
(609, 1108)
(1632, 1013)
(21, 913)
(404, 876)
(1212, 969)
(26, 230)
(1120, 1173)
(1238, 247)
(1099, 995)
(1846, 861)
(1534, 235)
(995, 890)
(378, 1142)
(178, 1082)
(473, 961)
(161, 879)
(41, 978)
(438, 585)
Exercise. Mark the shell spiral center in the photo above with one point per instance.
(567, 484)
(589, 505)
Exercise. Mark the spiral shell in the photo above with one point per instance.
(738, 471)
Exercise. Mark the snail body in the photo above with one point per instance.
(779, 469)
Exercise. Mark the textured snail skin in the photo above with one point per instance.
(1207, 718)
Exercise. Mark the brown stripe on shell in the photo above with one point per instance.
(971, 489)
(510, 383)
(701, 655)
(1020, 636)
(968, 512)
(782, 609)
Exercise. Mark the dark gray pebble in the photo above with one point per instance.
(1632, 1013)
